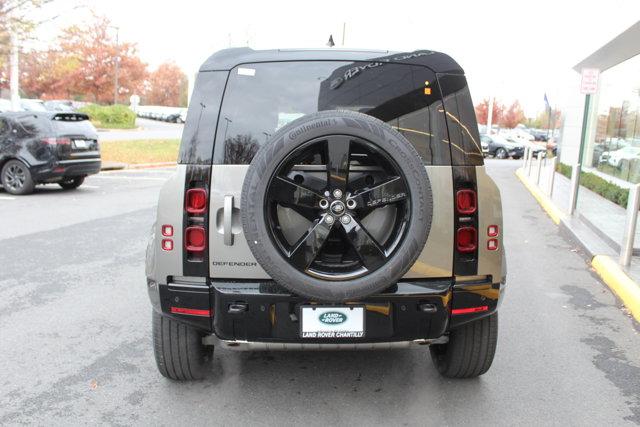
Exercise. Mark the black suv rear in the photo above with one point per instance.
(40, 148)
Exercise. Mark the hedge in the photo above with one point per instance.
(110, 116)
(599, 185)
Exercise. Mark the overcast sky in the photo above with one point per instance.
(516, 49)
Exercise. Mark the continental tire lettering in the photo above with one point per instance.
(306, 128)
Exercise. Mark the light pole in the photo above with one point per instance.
(15, 74)
(489, 114)
(117, 65)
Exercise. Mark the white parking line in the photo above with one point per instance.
(90, 186)
(7, 198)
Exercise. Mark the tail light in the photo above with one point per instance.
(196, 201)
(195, 239)
(492, 231)
(167, 244)
(466, 240)
(57, 141)
(466, 201)
(167, 230)
(492, 244)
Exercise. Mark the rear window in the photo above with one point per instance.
(261, 98)
(461, 121)
(81, 127)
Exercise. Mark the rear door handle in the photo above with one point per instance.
(227, 220)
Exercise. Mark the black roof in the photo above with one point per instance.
(226, 59)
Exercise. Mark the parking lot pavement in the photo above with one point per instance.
(76, 347)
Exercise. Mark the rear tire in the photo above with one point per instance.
(470, 349)
(501, 153)
(72, 183)
(16, 178)
(178, 349)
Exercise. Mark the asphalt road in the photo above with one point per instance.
(76, 348)
(146, 129)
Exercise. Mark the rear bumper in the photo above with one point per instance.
(68, 168)
(268, 316)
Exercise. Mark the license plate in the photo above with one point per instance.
(79, 143)
(332, 322)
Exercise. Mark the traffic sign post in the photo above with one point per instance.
(588, 86)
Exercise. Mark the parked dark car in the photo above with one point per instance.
(48, 147)
(539, 134)
(501, 148)
(175, 118)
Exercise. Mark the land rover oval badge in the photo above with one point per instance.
(332, 318)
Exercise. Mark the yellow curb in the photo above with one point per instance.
(623, 286)
(549, 207)
(609, 270)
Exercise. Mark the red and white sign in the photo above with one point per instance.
(589, 83)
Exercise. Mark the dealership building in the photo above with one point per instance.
(607, 121)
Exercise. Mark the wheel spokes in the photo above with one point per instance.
(291, 194)
(306, 250)
(390, 191)
(369, 251)
(337, 157)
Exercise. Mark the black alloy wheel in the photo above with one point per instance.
(16, 178)
(501, 153)
(337, 245)
(336, 206)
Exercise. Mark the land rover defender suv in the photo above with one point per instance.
(327, 199)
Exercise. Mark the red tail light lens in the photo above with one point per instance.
(492, 231)
(195, 239)
(167, 230)
(57, 141)
(196, 200)
(466, 240)
(470, 310)
(466, 202)
(167, 244)
(492, 244)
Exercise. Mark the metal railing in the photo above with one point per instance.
(544, 179)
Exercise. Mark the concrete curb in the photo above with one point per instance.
(621, 284)
(608, 269)
(150, 165)
(552, 210)
(113, 166)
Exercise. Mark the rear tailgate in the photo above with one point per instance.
(79, 136)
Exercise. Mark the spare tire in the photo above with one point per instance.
(336, 206)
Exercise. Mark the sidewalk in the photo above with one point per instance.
(597, 227)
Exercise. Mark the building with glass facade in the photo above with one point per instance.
(611, 146)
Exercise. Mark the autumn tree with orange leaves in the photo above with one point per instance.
(482, 112)
(503, 116)
(167, 86)
(513, 116)
(82, 66)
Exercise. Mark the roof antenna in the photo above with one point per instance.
(330, 43)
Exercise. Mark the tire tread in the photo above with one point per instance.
(470, 350)
(179, 352)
